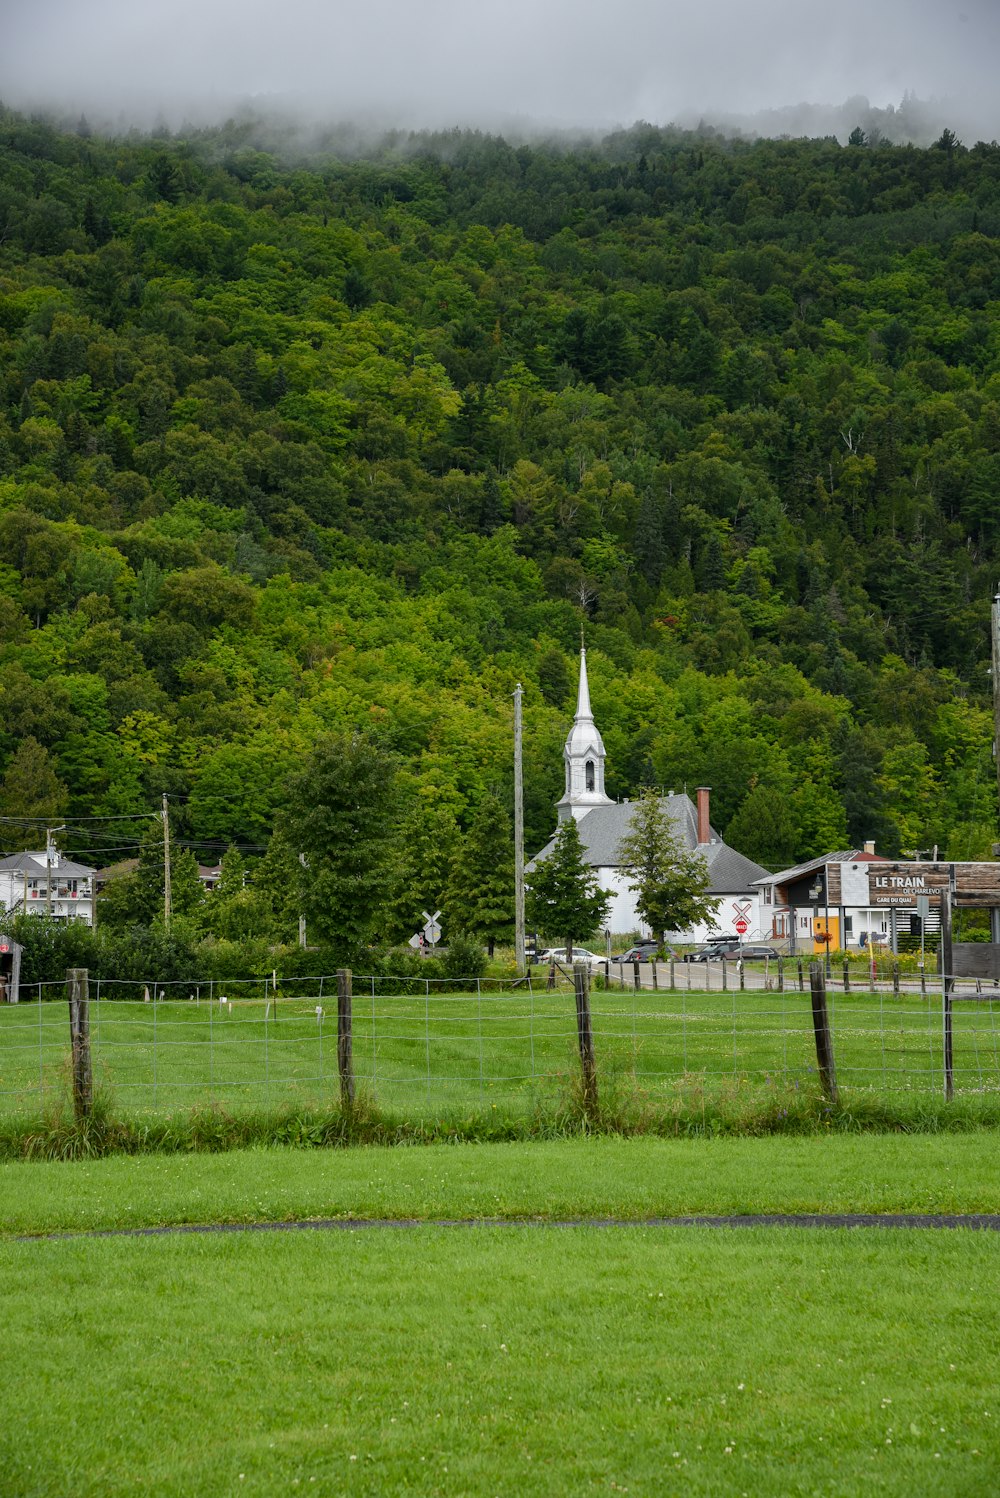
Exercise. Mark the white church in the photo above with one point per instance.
(603, 824)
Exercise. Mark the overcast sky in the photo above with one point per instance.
(444, 62)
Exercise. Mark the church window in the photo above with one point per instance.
(590, 774)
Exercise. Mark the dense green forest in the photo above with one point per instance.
(302, 444)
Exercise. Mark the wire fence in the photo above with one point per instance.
(426, 1046)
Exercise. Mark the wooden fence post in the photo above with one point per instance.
(821, 1025)
(79, 1030)
(345, 1060)
(673, 983)
(636, 977)
(847, 977)
(781, 975)
(585, 1035)
(947, 988)
(801, 984)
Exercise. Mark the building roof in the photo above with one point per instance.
(33, 863)
(602, 830)
(116, 870)
(801, 870)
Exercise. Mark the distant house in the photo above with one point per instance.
(47, 884)
(604, 823)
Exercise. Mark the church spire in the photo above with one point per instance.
(583, 756)
(583, 691)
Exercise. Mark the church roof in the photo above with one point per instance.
(602, 830)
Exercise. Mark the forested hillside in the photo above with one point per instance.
(290, 445)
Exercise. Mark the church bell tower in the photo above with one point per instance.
(583, 757)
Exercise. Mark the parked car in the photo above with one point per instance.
(643, 951)
(580, 954)
(732, 951)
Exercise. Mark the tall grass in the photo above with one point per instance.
(623, 1109)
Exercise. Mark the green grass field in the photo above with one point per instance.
(494, 1360)
(520, 1359)
(427, 1053)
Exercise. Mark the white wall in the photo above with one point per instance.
(624, 919)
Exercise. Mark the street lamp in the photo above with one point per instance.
(815, 895)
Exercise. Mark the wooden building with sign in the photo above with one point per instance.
(858, 898)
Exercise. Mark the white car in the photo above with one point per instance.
(580, 954)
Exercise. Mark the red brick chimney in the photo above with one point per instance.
(704, 830)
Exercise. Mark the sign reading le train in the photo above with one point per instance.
(877, 883)
(898, 889)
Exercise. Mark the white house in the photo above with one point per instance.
(47, 883)
(603, 824)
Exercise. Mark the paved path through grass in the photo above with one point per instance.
(926, 1174)
(973, 1221)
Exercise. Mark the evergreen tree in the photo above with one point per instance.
(135, 896)
(30, 787)
(553, 677)
(564, 899)
(187, 893)
(235, 910)
(341, 816)
(764, 828)
(481, 889)
(428, 835)
(270, 905)
(670, 881)
(863, 797)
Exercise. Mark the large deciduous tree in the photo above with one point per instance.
(341, 816)
(669, 880)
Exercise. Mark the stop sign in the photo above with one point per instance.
(742, 927)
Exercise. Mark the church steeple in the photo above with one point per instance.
(583, 757)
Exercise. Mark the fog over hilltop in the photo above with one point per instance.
(565, 64)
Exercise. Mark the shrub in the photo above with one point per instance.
(465, 957)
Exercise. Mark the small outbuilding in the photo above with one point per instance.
(10, 970)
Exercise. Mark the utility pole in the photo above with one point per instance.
(996, 689)
(166, 863)
(48, 872)
(518, 835)
(50, 852)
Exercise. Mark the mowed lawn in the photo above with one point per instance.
(503, 1359)
(511, 1360)
(427, 1052)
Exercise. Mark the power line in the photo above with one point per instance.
(121, 816)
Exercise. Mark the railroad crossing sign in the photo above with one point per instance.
(742, 909)
(432, 930)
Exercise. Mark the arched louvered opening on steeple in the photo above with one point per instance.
(590, 774)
